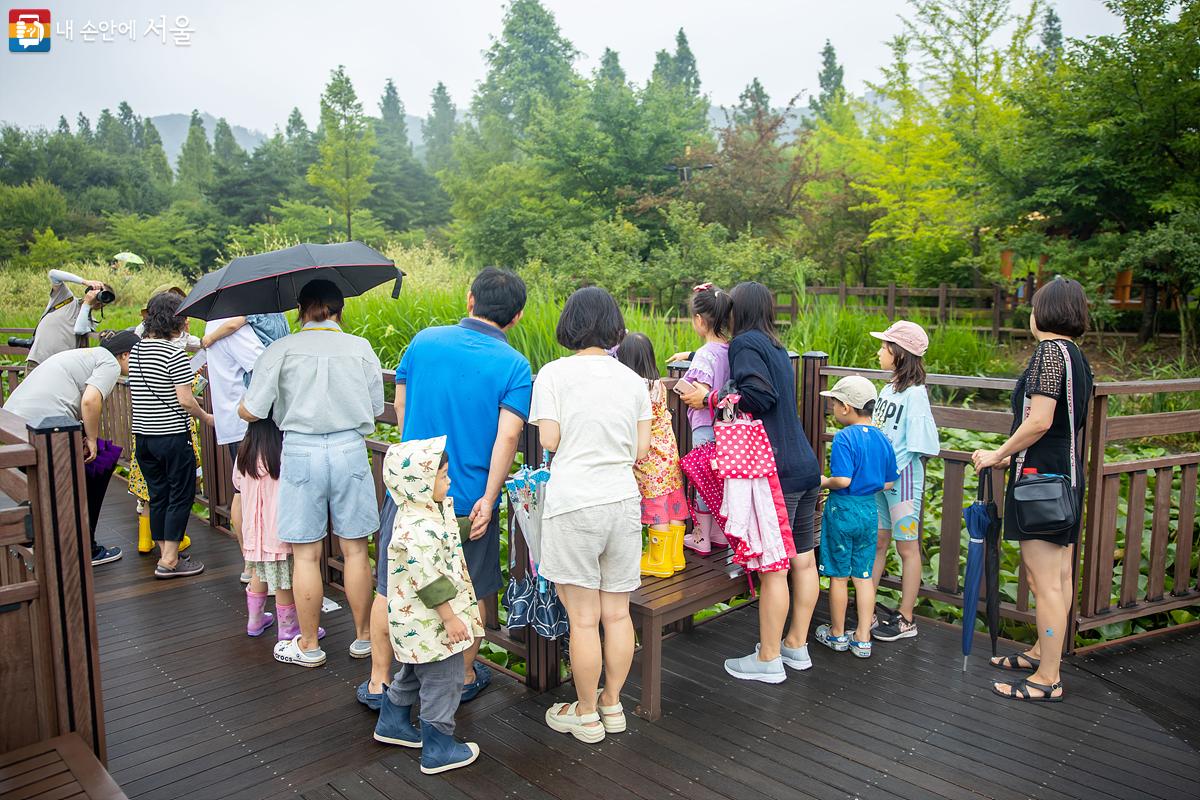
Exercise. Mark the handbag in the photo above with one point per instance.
(743, 449)
(1046, 503)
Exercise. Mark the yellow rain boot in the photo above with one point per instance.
(676, 540)
(656, 560)
(185, 543)
(145, 543)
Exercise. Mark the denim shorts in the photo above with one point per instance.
(325, 483)
(848, 536)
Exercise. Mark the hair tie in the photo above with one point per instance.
(704, 287)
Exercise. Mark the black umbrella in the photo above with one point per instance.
(991, 551)
(269, 282)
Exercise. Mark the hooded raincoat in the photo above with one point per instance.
(425, 558)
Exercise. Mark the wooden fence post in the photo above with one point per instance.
(812, 412)
(62, 545)
(997, 309)
(941, 312)
(891, 300)
(1095, 584)
(842, 294)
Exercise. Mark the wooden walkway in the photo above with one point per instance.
(196, 709)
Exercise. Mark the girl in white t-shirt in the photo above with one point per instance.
(594, 413)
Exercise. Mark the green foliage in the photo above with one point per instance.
(344, 170)
(438, 131)
(832, 93)
(195, 159)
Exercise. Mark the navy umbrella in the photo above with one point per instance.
(269, 282)
(983, 522)
(991, 561)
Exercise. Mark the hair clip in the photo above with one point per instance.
(702, 287)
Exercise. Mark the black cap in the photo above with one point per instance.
(119, 342)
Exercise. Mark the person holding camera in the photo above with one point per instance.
(66, 316)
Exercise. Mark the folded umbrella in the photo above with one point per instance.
(980, 517)
(270, 282)
(991, 561)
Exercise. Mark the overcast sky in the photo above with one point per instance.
(252, 61)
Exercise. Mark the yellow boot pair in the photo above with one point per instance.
(664, 554)
(146, 544)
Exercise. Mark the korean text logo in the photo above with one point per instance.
(29, 30)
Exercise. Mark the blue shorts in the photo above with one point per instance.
(899, 508)
(325, 483)
(482, 555)
(848, 536)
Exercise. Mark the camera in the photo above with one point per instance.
(106, 296)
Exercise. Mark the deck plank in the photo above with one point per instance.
(196, 710)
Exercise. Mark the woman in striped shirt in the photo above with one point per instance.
(160, 387)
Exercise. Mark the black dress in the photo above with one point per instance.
(1046, 374)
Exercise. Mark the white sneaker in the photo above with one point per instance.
(360, 648)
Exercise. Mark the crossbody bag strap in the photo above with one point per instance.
(1070, 399)
(185, 417)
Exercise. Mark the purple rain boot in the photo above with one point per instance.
(289, 624)
(258, 620)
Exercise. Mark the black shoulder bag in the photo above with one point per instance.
(1045, 503)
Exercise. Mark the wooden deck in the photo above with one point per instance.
(195, 709)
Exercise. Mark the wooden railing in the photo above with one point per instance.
(1094, 605)
(49, 656)
(942, 303)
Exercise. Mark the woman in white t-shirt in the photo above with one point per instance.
(594, 413)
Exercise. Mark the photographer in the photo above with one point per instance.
(66, 316)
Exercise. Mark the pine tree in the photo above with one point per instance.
(528, 61)
(343, 172)
(610, 67)
(227, 153)
(684, 62)
(153, 153)
(64, 127)
(830, 82)
(392, 121)
(111, 134)
(753, 103)
(1052, 36)
(438, 131)
(195, 164)
(83, 127)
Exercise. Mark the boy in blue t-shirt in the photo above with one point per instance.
(861, 463)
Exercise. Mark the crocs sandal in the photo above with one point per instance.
(825, 636)
(289, 652)
(1020, 691)
(565, 718)
(1013, 662)
(612, 717)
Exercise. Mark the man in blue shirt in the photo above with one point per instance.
(467, 383)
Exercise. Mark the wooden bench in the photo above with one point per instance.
(63, 768)
(659, 602)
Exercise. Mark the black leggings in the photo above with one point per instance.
(169, 467)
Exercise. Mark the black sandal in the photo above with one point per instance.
(1013, 662)
(1020, 691)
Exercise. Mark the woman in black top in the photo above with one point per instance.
(1059, 315)
(762, 371)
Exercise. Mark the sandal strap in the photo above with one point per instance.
(608, 711)
(1047, 691)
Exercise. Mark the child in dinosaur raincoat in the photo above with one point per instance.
(432, 610)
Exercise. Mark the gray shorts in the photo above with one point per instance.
(599, 547)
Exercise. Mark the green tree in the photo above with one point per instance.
(343, 172)
(829, 79)
(753, 103)
(195, 164)
(1052, 36)
(437, 132)
(154, 155)
(405, 195)
(530, 59)
(83, 128)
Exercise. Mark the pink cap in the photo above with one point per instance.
(909, 335)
